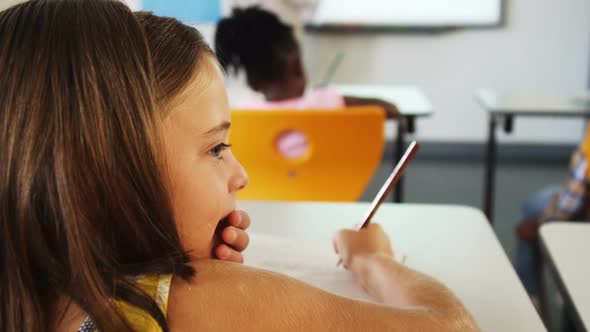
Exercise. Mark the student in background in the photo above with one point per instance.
(568, 202)
(257, 41)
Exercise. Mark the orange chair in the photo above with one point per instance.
(311, 155)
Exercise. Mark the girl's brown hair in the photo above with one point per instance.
(83, 206)
(177, 51)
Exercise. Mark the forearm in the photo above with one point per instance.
(398, 286)
(391, 110)
(358, 101)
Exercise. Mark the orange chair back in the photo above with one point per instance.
(311, 155)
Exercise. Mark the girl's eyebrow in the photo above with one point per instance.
(224, 126)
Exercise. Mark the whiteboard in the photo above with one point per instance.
(407, 13)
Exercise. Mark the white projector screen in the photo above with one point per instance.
(407, 13)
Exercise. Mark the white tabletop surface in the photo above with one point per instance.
(568, 244)
(454, 244)
(410, 101)
(535, 103)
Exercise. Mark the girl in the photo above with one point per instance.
(267, 49)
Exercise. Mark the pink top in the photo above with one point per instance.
(321, 98)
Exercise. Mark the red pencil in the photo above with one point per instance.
(391, 181)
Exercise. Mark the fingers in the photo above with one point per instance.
(237, 238)
(369, 240)
(234, 237)
(227, 253)
(239, 219)
(340, 240)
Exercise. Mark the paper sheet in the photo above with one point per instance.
(312, 263)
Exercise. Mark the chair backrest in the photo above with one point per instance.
(311, 155)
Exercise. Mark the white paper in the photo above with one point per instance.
(312, 263)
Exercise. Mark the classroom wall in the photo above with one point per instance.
(545, 45)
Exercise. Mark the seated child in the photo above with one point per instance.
(267, 49)
(567, 202)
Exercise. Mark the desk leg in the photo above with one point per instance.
(398, 195)
(490, 171)
(411, 124)
(508, 123)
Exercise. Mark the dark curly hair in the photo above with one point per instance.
(257, 41)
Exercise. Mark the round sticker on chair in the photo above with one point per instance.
(292, 144)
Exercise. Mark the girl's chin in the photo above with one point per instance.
(208, 252)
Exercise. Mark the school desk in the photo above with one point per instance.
(454, 244)
(565, 246)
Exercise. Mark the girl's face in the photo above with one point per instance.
(204, 176)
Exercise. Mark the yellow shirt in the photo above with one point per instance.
(585, 145)
(572, 202)
(158, 288)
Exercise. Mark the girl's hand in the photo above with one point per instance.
(234, 236)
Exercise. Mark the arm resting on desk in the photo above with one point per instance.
(232, 297)
(398, 286)
(391, 111)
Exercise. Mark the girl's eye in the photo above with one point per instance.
(218, 149)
